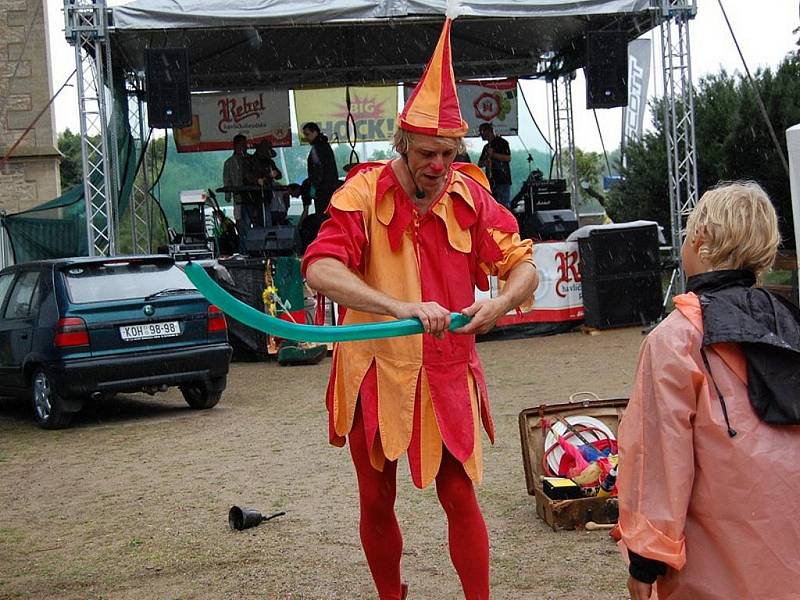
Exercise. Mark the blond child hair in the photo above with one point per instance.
(739, 227)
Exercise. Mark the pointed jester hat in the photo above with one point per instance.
(433, 107)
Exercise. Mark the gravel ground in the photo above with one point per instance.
(131, 502)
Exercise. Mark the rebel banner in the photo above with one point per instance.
(638, 79)
(217, 118)
(559, 296)
(492, 102)
(374, 110)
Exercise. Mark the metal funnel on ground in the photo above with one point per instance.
(244, 518)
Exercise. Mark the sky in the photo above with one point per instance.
(763, 29)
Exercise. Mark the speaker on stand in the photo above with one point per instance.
(621, 276)
(606, 69)
(169, 99)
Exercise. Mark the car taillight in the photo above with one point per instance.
(216, 320)
(71, 332)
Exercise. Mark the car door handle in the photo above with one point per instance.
(24, 336)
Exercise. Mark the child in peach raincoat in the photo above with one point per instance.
(710, 443)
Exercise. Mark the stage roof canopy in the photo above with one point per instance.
(295, 43)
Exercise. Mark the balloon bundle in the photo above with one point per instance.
(256, 319)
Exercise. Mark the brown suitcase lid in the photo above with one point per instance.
(583, 403)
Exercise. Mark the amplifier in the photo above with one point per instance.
(548, 185)
(181, 252)
(275, 241)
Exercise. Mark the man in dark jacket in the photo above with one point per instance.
(322, 171)
(496, 161)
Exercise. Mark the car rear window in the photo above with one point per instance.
(122, 281)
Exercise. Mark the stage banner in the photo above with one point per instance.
(373, 108)
(492, 102)
(639, 52)
(217, 118)
(559, 296)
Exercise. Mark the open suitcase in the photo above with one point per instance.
(566, 514)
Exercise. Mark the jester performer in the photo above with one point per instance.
(414, 237)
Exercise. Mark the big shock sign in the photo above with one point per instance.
(371, 110)
(217, 118)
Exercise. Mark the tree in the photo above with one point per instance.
(642, 193)
(69, 144)
(591, 168)
(732, 142)
(750, 152)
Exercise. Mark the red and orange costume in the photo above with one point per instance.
(418, 394)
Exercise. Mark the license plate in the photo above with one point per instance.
(149, 331)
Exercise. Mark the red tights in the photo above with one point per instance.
(380, 533)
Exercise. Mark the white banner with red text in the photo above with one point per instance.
(217, 118)
(559, 296)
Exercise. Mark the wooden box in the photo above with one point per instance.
(566, 514)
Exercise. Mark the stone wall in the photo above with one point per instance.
(32, 175)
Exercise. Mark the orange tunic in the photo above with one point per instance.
(418, 392)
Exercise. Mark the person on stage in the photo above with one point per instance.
(323, 174)
(264, 174)
(414, 237)
(495, 159)
(236, 172)
(708, 479)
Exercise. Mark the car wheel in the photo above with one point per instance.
(200, 396)
(48, 409)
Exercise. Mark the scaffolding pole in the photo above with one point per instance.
(6, 253)
(679, 121)
(566, 165)
(141, 234)
(86, 30)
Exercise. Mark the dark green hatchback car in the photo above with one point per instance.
(80, 328)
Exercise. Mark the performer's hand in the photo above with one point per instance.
(435, 318)
(639, 590)
(484, 315)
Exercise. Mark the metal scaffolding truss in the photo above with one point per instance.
(679, 119)
(140, 205)
(564, 142)
(86, 31)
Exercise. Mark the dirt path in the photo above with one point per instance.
(132, 501)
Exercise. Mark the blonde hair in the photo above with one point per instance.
(739, 227)
(401, 143)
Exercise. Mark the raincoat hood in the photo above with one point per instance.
(768, 329)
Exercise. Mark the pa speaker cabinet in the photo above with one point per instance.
(619, 251)
(621, 277)
(622, 300)
(606, 69)
(169, 99)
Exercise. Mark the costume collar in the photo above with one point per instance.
(455, 208)
(714, 281)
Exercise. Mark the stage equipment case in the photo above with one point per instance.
(566, 514)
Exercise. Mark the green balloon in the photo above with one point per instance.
(256, 319)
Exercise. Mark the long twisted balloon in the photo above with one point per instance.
(303, 333)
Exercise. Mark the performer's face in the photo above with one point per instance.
(429, 160)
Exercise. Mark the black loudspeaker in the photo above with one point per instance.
(621, 276)
(606, 69)
(169, 99)
(546, 225)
